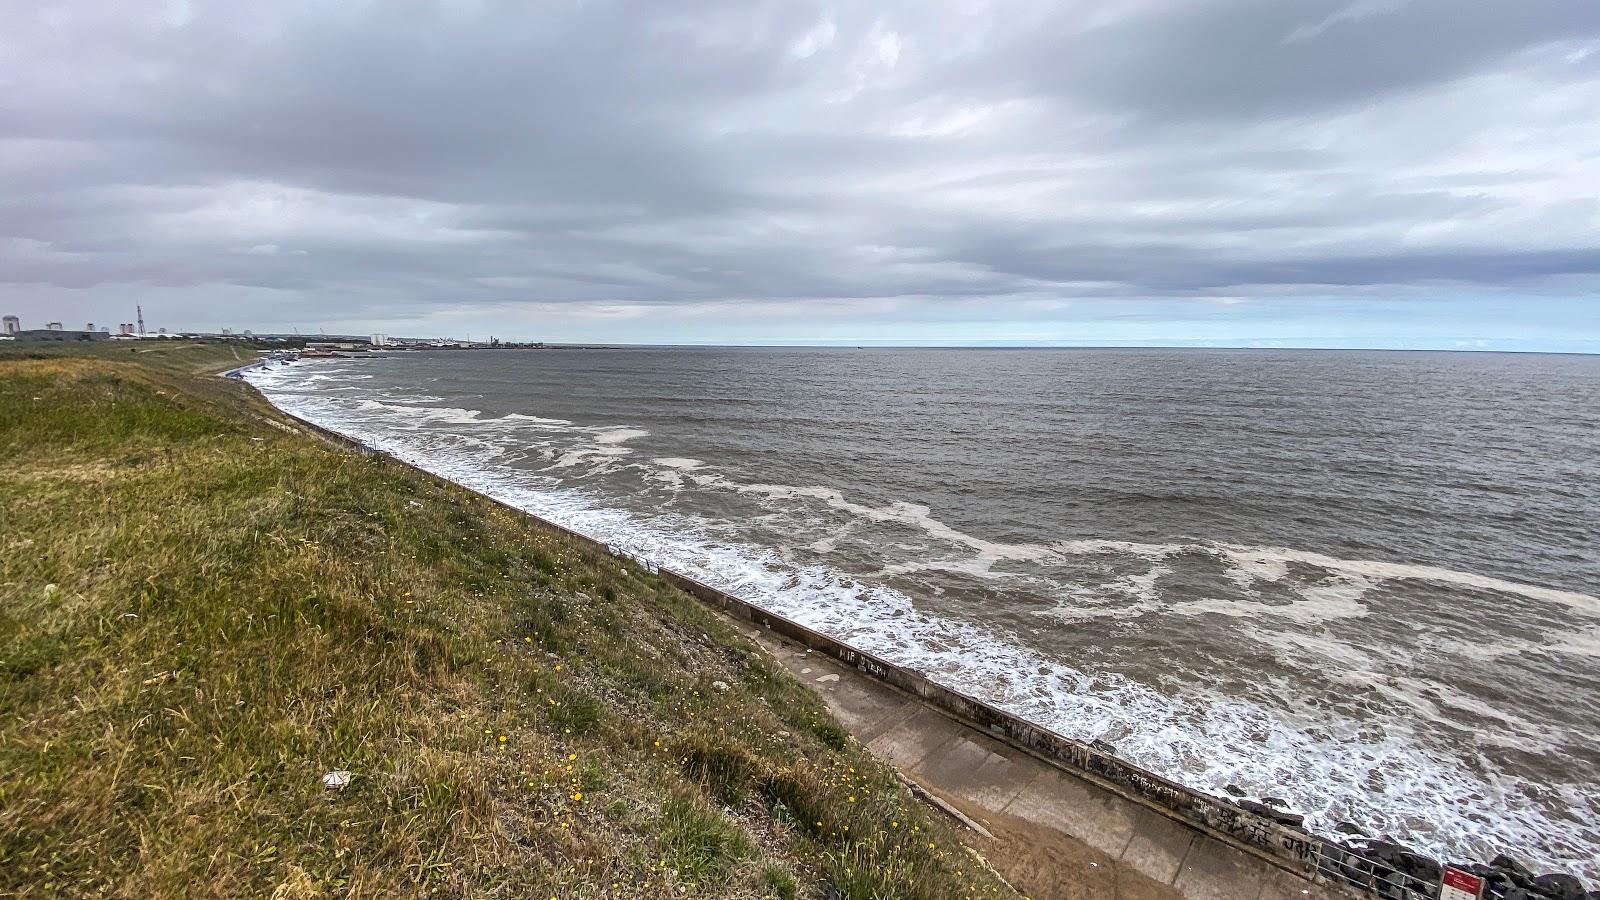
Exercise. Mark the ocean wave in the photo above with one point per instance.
(1271, 564)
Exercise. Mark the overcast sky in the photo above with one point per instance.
(1360, 172)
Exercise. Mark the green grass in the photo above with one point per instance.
(701, 844)
(202, 611)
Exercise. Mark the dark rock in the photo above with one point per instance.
(1104, 746)
(1519, 873)
(1499, 883)
(1422, 868)
(1386, 851)
(1346, 861)
(1374, 869)
(1592, 895)
(1279, 802)
(1421, 888)
(1293, 820)
(1234, 789)
(1407, 863)
(1348, 828)
(1389, 890)
(1559, 886)
(1493, 879)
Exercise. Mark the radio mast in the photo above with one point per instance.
(140, 309)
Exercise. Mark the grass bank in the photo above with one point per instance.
(203, 611)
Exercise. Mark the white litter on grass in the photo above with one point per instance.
(827, 678)
(336, 781)
(720, 685)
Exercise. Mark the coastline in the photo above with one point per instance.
(1291, 849)
(243, 662)
(1268, 833)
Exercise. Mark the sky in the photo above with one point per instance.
(1362, 173)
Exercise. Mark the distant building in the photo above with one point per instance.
(13, 325)
(52, 326)
(89, 327)
(380, 340)
(126, 329)
(58, 334)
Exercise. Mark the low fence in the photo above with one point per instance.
(1291, 849)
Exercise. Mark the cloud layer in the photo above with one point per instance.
(426, 168)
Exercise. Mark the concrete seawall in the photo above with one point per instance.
(1179, 839)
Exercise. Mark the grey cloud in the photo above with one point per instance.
(1243, 58)
(387, 161)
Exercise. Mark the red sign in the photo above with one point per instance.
(1459, 885)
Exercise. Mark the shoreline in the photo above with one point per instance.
(228, 634)
(1261, 829)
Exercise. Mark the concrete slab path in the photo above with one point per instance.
(1055, 835)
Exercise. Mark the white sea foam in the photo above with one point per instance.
(1272, 564)
(536, 420)
(1319, 603)
(1378, 775)
(1581, 643)
(619, 435)
(675, 462)
(1338, 597)
(914, 515)
(1124, 597)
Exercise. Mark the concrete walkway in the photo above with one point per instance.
(1055, 835)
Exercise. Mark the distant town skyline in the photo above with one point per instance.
(1568, 327)
(1300, 172)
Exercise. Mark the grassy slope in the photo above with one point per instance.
(202, 611)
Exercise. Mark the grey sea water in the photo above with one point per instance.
(1365, 582)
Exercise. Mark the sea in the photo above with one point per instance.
(1362, 582)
